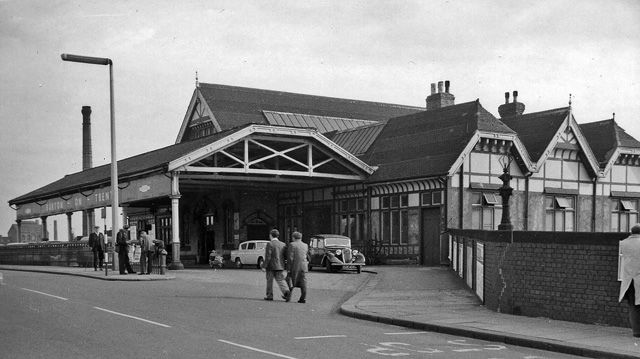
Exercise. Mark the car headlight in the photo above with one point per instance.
(355, 251)
(338, 252)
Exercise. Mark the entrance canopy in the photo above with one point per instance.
(271, 154)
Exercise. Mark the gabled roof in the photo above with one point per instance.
(128, 167)
(536, 130)
(430, 142)
(357, 140)
(323, 124)
(605, 137)
(234, 106)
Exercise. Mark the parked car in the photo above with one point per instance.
(333, 252)
(249, 253)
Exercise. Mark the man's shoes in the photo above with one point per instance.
(123, 273)
(140, 273)
(287, 296)
(95, 269)
(302, 301)
(132, 272)
(267, 298)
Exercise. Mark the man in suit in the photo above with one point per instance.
(122, 242)
(630, 273)
(274, 256)
(298, 262)
(96, 242)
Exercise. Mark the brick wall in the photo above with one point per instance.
(564, 276)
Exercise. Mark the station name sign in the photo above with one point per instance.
(130, 191)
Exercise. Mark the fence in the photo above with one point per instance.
(568, 276)
(61, 254)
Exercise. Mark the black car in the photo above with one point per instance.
(333, 252)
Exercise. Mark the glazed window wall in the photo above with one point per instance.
(395, 219)
(560, 213)
(352, 218)
(624, 214)
(486, 210)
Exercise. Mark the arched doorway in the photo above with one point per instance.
(257, 225)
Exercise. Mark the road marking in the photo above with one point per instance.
(47, 294)
(405, 333)
(132, 317)
(256, 349)
(322, 336)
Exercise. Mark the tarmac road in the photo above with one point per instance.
(208, 314)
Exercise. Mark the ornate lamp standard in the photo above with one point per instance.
(114, 162)
(505, 191)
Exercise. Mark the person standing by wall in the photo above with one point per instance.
(122, 241)
(274, 257)
(148, 248)
(298, 263)
(630, 273)
(96, 242)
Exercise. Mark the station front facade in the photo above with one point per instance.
(392, 178)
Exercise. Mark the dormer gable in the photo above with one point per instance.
(199, 121)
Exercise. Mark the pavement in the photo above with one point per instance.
(435, 299)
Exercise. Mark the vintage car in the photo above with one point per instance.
(250, 253)
(333, 252)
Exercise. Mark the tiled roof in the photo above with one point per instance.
(358, 140)
(428, 143)
(127, 167)
(234, 106)
(604, 137)
(323, 124)
(536, 129)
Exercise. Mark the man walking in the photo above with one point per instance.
(147, 247)
(274, 256)
(96, 242)
(630, 273)
(122, 241)
(298, 262)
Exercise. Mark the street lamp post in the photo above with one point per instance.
(505, 191)
(114, 162)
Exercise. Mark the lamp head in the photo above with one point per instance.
(86, 59)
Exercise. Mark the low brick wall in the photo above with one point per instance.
(557, 275)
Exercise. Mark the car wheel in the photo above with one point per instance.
(238, 263)
(358, 270)
(309, 267)
(260, 262)
(327, 265)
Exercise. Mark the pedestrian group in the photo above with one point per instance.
(294, 258)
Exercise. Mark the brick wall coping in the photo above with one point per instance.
(577, 238)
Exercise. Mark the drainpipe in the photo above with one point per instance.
(593, 205)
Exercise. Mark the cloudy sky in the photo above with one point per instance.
(385, 51)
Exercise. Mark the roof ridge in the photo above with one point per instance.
(341, 99)
(566, 108)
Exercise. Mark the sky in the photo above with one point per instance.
(383, 51)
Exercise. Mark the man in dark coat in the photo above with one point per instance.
(96, 242)
(122, 241)
(274, 256)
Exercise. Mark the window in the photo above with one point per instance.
(486, 210)
(560, 213)
(624, 214)
(432, 198)
(395, 220)
(352, 218)
(251, 246)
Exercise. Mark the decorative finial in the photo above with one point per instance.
(197, 84)
(614, 115)
(569, 99)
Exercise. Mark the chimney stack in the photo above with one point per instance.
(87, 152)
(441, 98)
(510, 109)
(88, 216)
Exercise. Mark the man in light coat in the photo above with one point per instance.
(274, 257)
(298, 262)
(630, 273)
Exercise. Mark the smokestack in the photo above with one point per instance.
(441, 98)
(87, 153)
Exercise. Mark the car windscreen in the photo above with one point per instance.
(342, 242)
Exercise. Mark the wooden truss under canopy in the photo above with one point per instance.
(268, 152)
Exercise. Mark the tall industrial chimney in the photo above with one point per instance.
(87, 154)
(88, 216)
